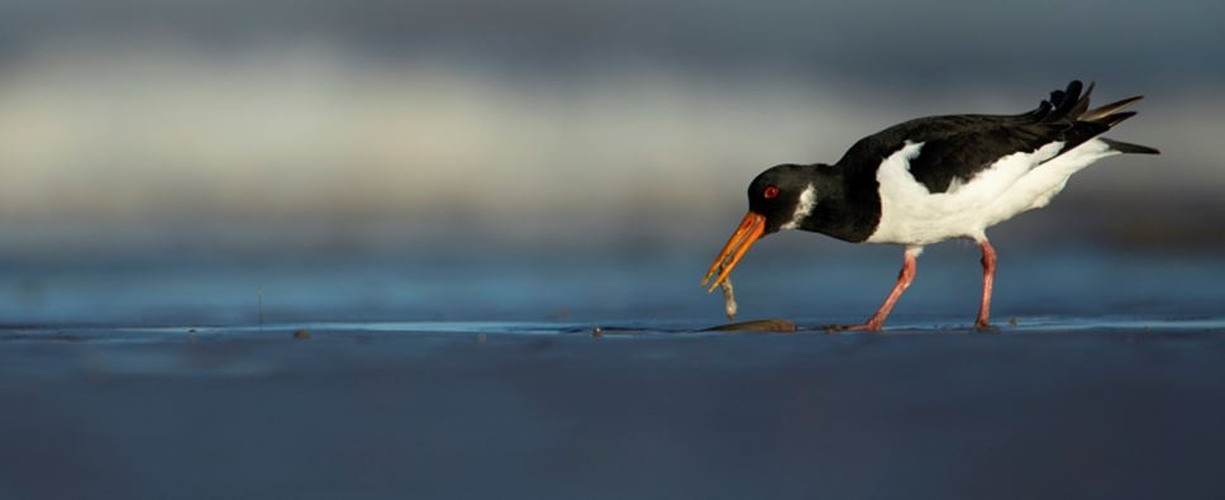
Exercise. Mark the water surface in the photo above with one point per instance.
(471, 375)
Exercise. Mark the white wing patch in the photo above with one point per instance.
(808, 200)
(912, 215)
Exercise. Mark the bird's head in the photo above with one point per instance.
(779, 198)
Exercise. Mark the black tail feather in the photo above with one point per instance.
(1109, 109)
(1063, 104)
(1115, 119)
(1127, 147)
(1071, 105)
(1066, 100)
(1082, 104)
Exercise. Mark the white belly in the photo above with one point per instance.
(912, 215)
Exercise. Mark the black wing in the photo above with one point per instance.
(960, 146)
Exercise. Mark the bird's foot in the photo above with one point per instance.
(985, 327)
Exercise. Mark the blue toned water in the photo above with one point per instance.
(478, 375)
(808, 280)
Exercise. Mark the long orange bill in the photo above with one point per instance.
(752, 227)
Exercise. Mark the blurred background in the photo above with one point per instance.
(218, 160)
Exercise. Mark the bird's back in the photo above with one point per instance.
(953, 176)
(956, 148)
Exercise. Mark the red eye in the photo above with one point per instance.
(771, 192)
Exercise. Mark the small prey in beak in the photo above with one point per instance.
(752, 227)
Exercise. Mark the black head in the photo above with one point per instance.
(779, 193)
(779, 198)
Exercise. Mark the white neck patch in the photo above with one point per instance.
(808, 200)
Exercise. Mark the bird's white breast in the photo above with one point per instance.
(912, 215)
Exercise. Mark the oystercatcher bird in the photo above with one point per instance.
(933, 179)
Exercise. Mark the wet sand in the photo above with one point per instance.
(1054, 407)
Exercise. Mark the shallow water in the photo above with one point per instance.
(818, 283)
(548, 410)
(467, 375)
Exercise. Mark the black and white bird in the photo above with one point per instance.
(933, 179)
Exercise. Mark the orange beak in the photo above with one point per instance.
(752, 227)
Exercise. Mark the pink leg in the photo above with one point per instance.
(904, 278)
(984, 310)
